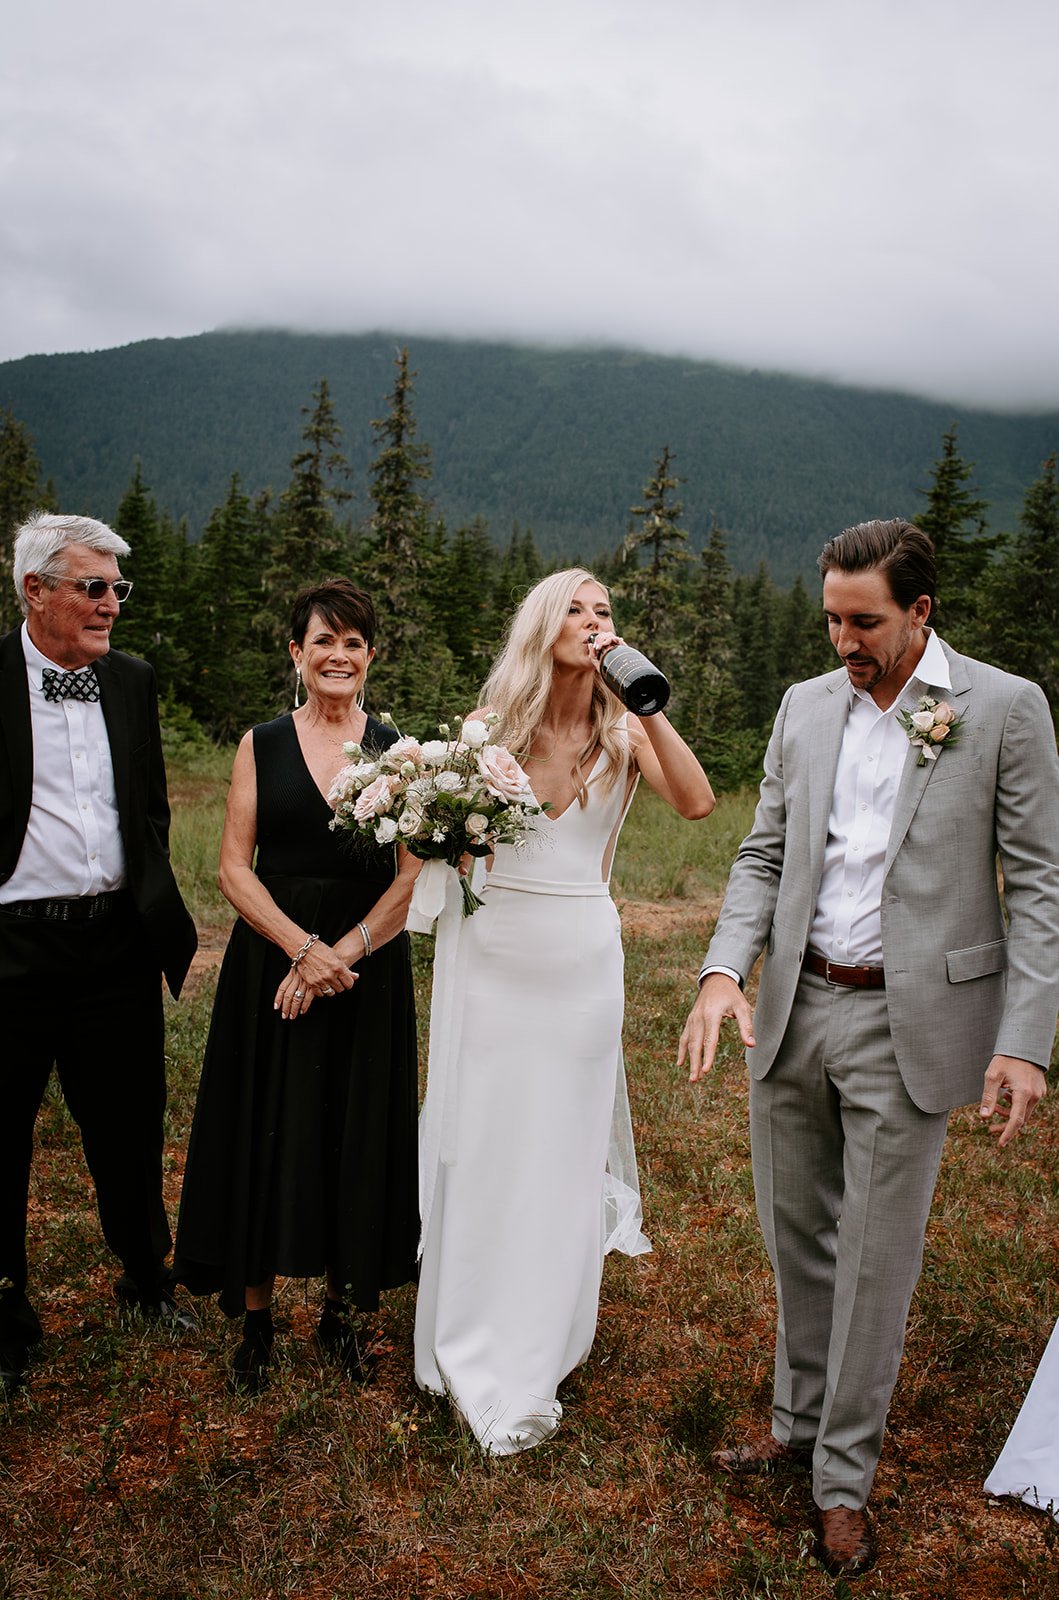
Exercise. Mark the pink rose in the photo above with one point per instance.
(374, 799)
(943, 712)
(502, 773)
(406, 749)
(940, 731)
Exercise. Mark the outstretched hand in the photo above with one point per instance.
(1012, 1090)
(719, 997)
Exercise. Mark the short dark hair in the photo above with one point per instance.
(900, 550)
(340, 603)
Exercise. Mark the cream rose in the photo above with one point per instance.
(374, 799)
(386, 830)
(502, 773)
(943, 712)
(923, 721)
(474, 734)
(435, 752)
(403, 750)
(476, 824)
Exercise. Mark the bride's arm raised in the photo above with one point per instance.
(670, 766)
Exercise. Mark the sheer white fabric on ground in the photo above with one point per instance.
(528, 1170)
(1028, 1466)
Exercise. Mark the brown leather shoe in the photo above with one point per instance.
(763, 1453)
(846, 1545)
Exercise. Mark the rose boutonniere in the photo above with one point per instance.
(931, 727)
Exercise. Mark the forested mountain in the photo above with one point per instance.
(559, 442)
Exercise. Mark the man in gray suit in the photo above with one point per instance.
(893, 988)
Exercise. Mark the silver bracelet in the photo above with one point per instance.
(304, 951)
(365, 934)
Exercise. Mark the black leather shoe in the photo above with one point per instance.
(341, 1338)
(159, 1307)
(14, 1358)
(248, 1373)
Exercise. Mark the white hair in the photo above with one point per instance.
(42, 538)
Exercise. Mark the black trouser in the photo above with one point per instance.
(86, 997)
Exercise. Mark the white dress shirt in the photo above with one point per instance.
(847, 925)
(73, 843)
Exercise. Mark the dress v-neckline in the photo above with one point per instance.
(306, 767)
(558, 817)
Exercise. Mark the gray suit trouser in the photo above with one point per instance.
(844, 1172)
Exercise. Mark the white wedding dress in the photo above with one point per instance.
(1028, 1466)
(527, 1171)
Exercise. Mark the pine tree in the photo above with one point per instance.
(654, 586)
(710, 713)
(1020, 611)
(413, 675)
(232, 681)
(21, 493)
(150, 623)
(955, 520)
(308, 542)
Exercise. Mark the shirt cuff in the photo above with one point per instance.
(729, 972)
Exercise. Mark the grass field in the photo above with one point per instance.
(129, 1471)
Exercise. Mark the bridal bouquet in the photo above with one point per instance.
(442, 799)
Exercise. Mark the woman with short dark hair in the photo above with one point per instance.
(302, 1159)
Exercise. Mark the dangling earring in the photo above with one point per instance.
(297, 686)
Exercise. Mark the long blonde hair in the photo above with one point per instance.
(520, 683)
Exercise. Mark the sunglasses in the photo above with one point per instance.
(96, 588)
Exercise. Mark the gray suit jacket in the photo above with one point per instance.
(963, 982)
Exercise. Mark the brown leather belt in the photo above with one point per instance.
(850, 977)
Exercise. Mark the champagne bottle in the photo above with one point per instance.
(636, 681)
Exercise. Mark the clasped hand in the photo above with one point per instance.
(321, 971)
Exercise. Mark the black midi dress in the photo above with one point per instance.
(303, 1148)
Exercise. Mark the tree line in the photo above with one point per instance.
(212, 616)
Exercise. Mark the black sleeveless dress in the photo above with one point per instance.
(303, 1149)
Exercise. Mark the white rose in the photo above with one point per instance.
(449, 782)
(474, 733)
(922, 721)
(408, 821)
(386, 830)
(434, 753)
(476, 824)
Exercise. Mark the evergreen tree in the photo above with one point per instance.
(710, 711)
(803, 648)
(1020, 612)
(755, 666)
(471, 624)
(21, 493)
(413, 675)
(308, 542)
(955, 520)
(232, 681)
(519, 569)
(151, 622)
(654, 586)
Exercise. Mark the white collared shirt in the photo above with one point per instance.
(73, 844)
(847, 925)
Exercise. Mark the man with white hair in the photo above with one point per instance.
(90, 913)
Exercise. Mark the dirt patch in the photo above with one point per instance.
(647, 919)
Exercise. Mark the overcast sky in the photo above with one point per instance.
(861, 189)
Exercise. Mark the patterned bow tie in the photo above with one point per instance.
(82, 685)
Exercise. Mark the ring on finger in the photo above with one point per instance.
(299, 994)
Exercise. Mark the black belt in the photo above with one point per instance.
(850, 977)
(81, 910)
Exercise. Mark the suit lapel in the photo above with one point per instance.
(112, 699)
(16, 728)
(829, 723)
(914, 778)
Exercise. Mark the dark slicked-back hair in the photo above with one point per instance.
(342, 606)
(900, 550)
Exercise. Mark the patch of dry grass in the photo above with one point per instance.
(128, 1470)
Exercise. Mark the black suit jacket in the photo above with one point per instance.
(128, 696)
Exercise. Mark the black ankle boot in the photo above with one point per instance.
(249, 1370)
(340, 1338)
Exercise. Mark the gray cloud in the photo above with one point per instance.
(861, 192)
